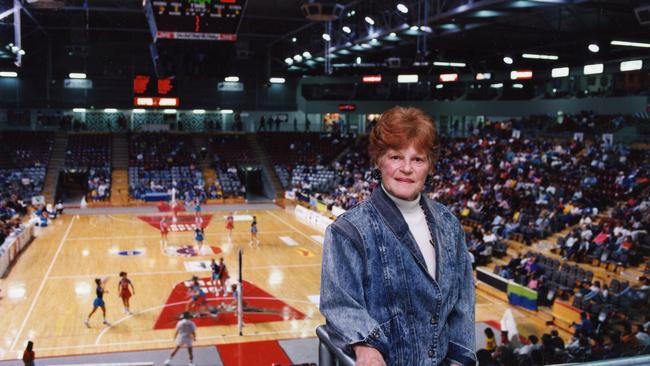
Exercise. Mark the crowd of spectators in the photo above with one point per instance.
(11, 211)
(607, 329)
(160, 162)
(229, 182)
(90, 154)
(511, 187)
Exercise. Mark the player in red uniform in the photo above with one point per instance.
(126, 290)
(223, 276)
(164, 230)
(230, 225)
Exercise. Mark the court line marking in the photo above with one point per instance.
(172, 232)
(64, 277)
(40, 288)
(165, 340)
(157, 307)
(311, 240)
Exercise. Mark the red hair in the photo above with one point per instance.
(400, 127)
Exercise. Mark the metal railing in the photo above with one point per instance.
(328, 353)
(627, 361)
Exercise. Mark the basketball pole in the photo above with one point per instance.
(240, 307)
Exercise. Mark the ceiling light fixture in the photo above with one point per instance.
(539, 57)
(630, 44)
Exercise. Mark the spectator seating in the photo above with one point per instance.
(91, 154)
(159, 162)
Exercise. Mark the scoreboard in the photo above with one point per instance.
(152, 92)
(212, 20)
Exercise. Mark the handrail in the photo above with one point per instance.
(626, 361)
(328, 353)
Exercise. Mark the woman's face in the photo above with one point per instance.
(404, 171)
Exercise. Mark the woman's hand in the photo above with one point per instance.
(368, 356)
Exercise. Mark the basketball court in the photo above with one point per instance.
(49, 292)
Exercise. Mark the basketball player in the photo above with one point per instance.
(254, 233)
(126, 290)
(185, 335)
(216, 271)
(164, 230)
(175, 208)
(199, 236)
(99, 301)
(198, 298)
(230, 225)
(223, 276)
(197, 207)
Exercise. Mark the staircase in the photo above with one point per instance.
(55, 166)
(200, 141)
(120, 174)
(265, 163)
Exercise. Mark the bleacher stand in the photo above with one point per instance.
(161, 161)
(91, 154)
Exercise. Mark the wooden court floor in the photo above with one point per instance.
(50, 290)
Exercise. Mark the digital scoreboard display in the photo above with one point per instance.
(212, 20)
(151, 92)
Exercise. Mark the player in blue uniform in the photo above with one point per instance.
(99, 301)
(198, 298)
(199, 236)
(254, 233)
(216, 272)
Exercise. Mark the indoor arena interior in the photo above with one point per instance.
(200, 182)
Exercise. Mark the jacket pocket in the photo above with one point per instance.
(397, 338)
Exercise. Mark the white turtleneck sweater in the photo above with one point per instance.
(417, 223)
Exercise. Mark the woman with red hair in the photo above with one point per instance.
(397, 285)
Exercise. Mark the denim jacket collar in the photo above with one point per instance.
(395, 221)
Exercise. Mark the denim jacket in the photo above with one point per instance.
(375, 288)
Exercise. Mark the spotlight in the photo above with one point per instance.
(369, 20)
(593, 48)
(402, 8)
(327, 37)
(347, 29)
(508, 60)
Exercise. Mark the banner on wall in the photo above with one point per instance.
(321, 207)
(522, 296)
(313, 217)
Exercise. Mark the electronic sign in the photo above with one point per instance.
(212, 20)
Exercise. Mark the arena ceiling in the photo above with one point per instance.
(477, 33)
